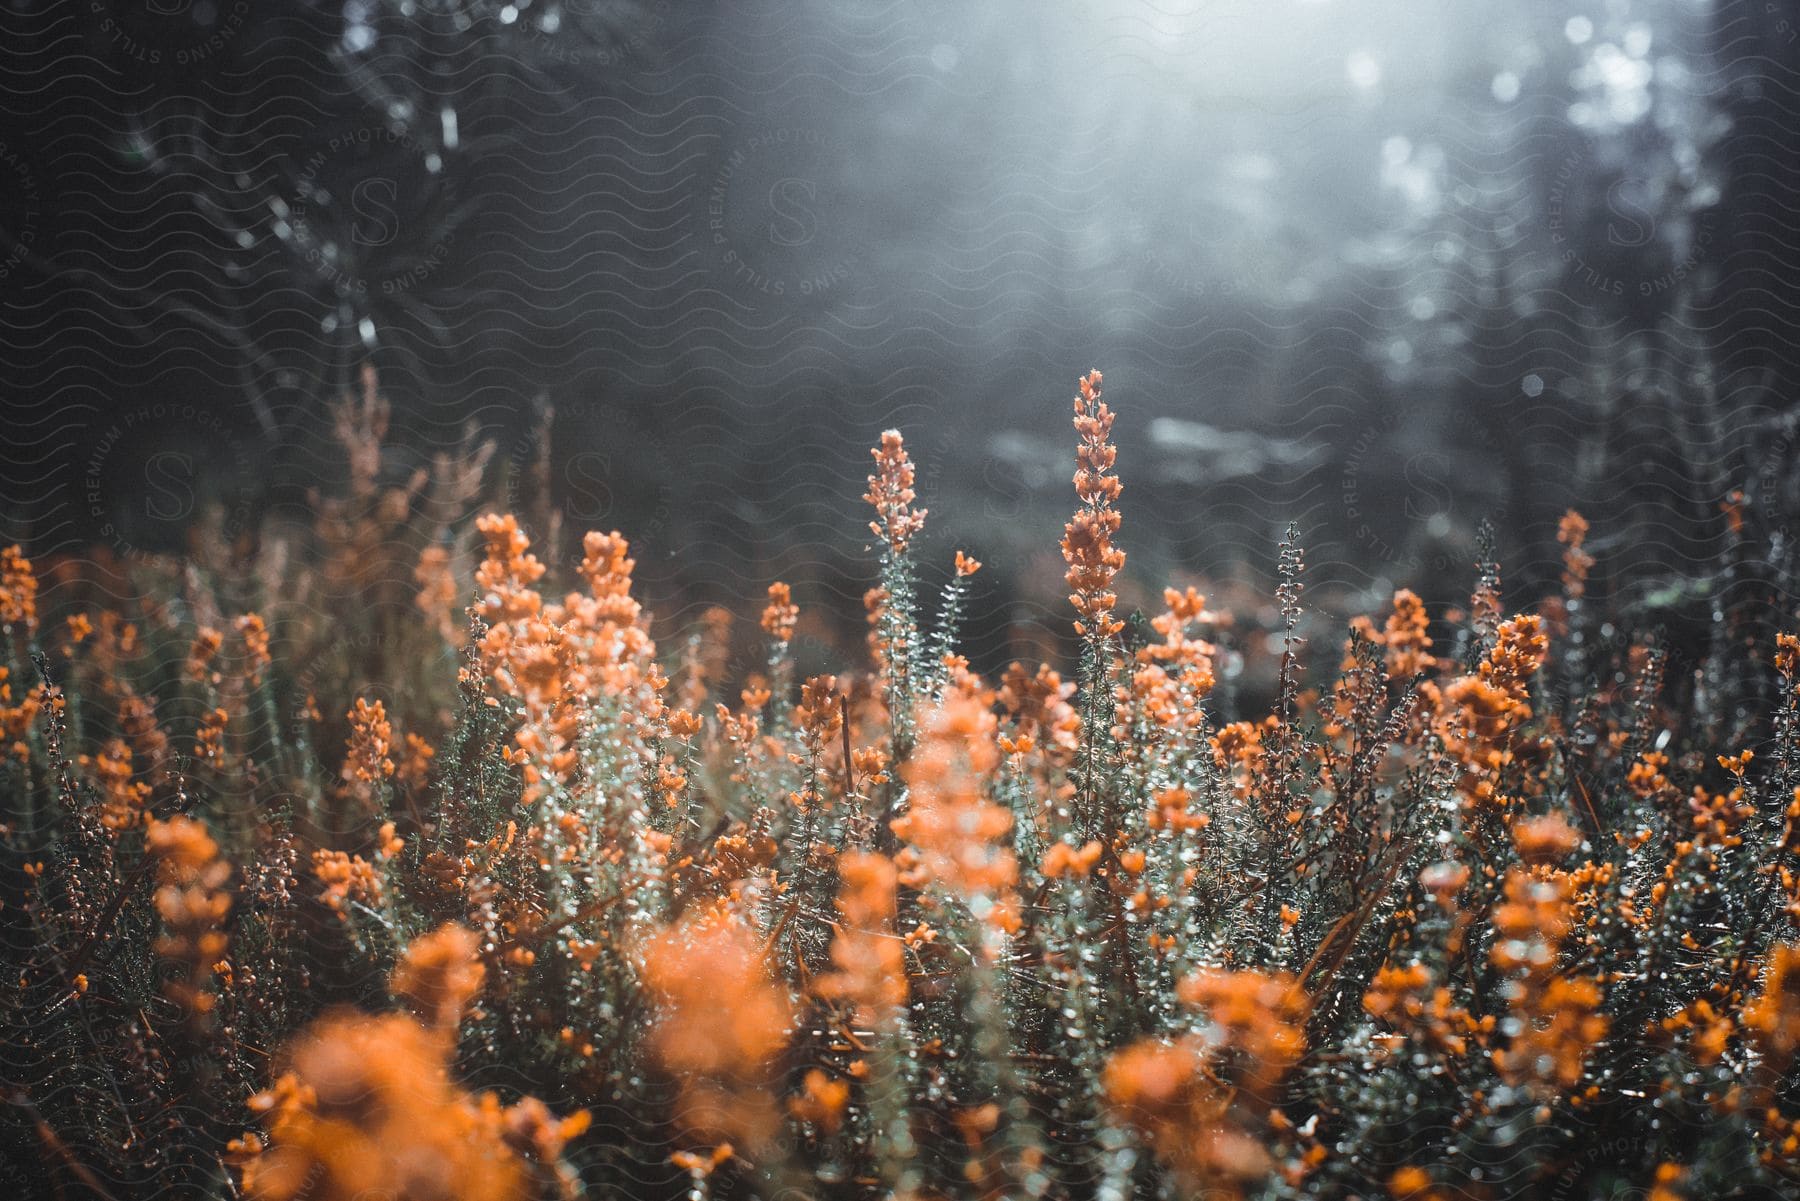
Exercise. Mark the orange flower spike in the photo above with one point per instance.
(367, 755)
(965, 566)
(820, 711)
(209, 740)
(193, 903)
(205, 648)
(1405, 637)
(955, 827)
(507, 571)
(1787, 656)
(1572, 531)
(1773, 1018)
(822, 1101)
(1087, 545)
(436, 597)
(1519, 650)
(18, 591)
(366, 1108)
(255, 636)
(781, 614)
(124, 797)
(891, 493)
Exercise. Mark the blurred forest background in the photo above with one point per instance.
(1388, 269)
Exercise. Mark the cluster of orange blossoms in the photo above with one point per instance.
(367, 763)
(18, 591)
(721, 1022)
(891, 492)
(1087, 543)
(1203, 1099)
(1173, 676)
(1490, 964)
(438, 976)
(364, 1106)
(869, 963)
(1572, 532)
(1043, 719)
(1556, 1018)
(781, 614)
(1478, 713)
(192, 901)
(956, 829)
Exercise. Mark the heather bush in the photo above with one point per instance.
(1484, 906)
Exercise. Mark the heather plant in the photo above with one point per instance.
(1485, 905)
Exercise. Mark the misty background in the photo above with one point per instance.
(1385, 269)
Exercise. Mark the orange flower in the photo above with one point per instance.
(820, 711)
(255, 635)
(201, 654)
(1199, 1098)
(954, 825)
(870, 966)
(438, 974)
(821, 1102)
(18, 591)
(891, 492)
(1174, 675)
(365, 1108)
(721, 1022)
(1405, 637)
(1556, 1019)
(1169, 811)
(1040, 709)
(1559, 1025)
(346, 878)
(781, 614)
(1087, 538)
(1787, 656)
(366, 758)
(1259, 1015)
(1411, 1184)
(1572, 531)
(193, 904)
(1774, 1016)
(122, 797)
(436, 597)
(507, 572)
(1064, 860)
(1545, 841)
(209, 739)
